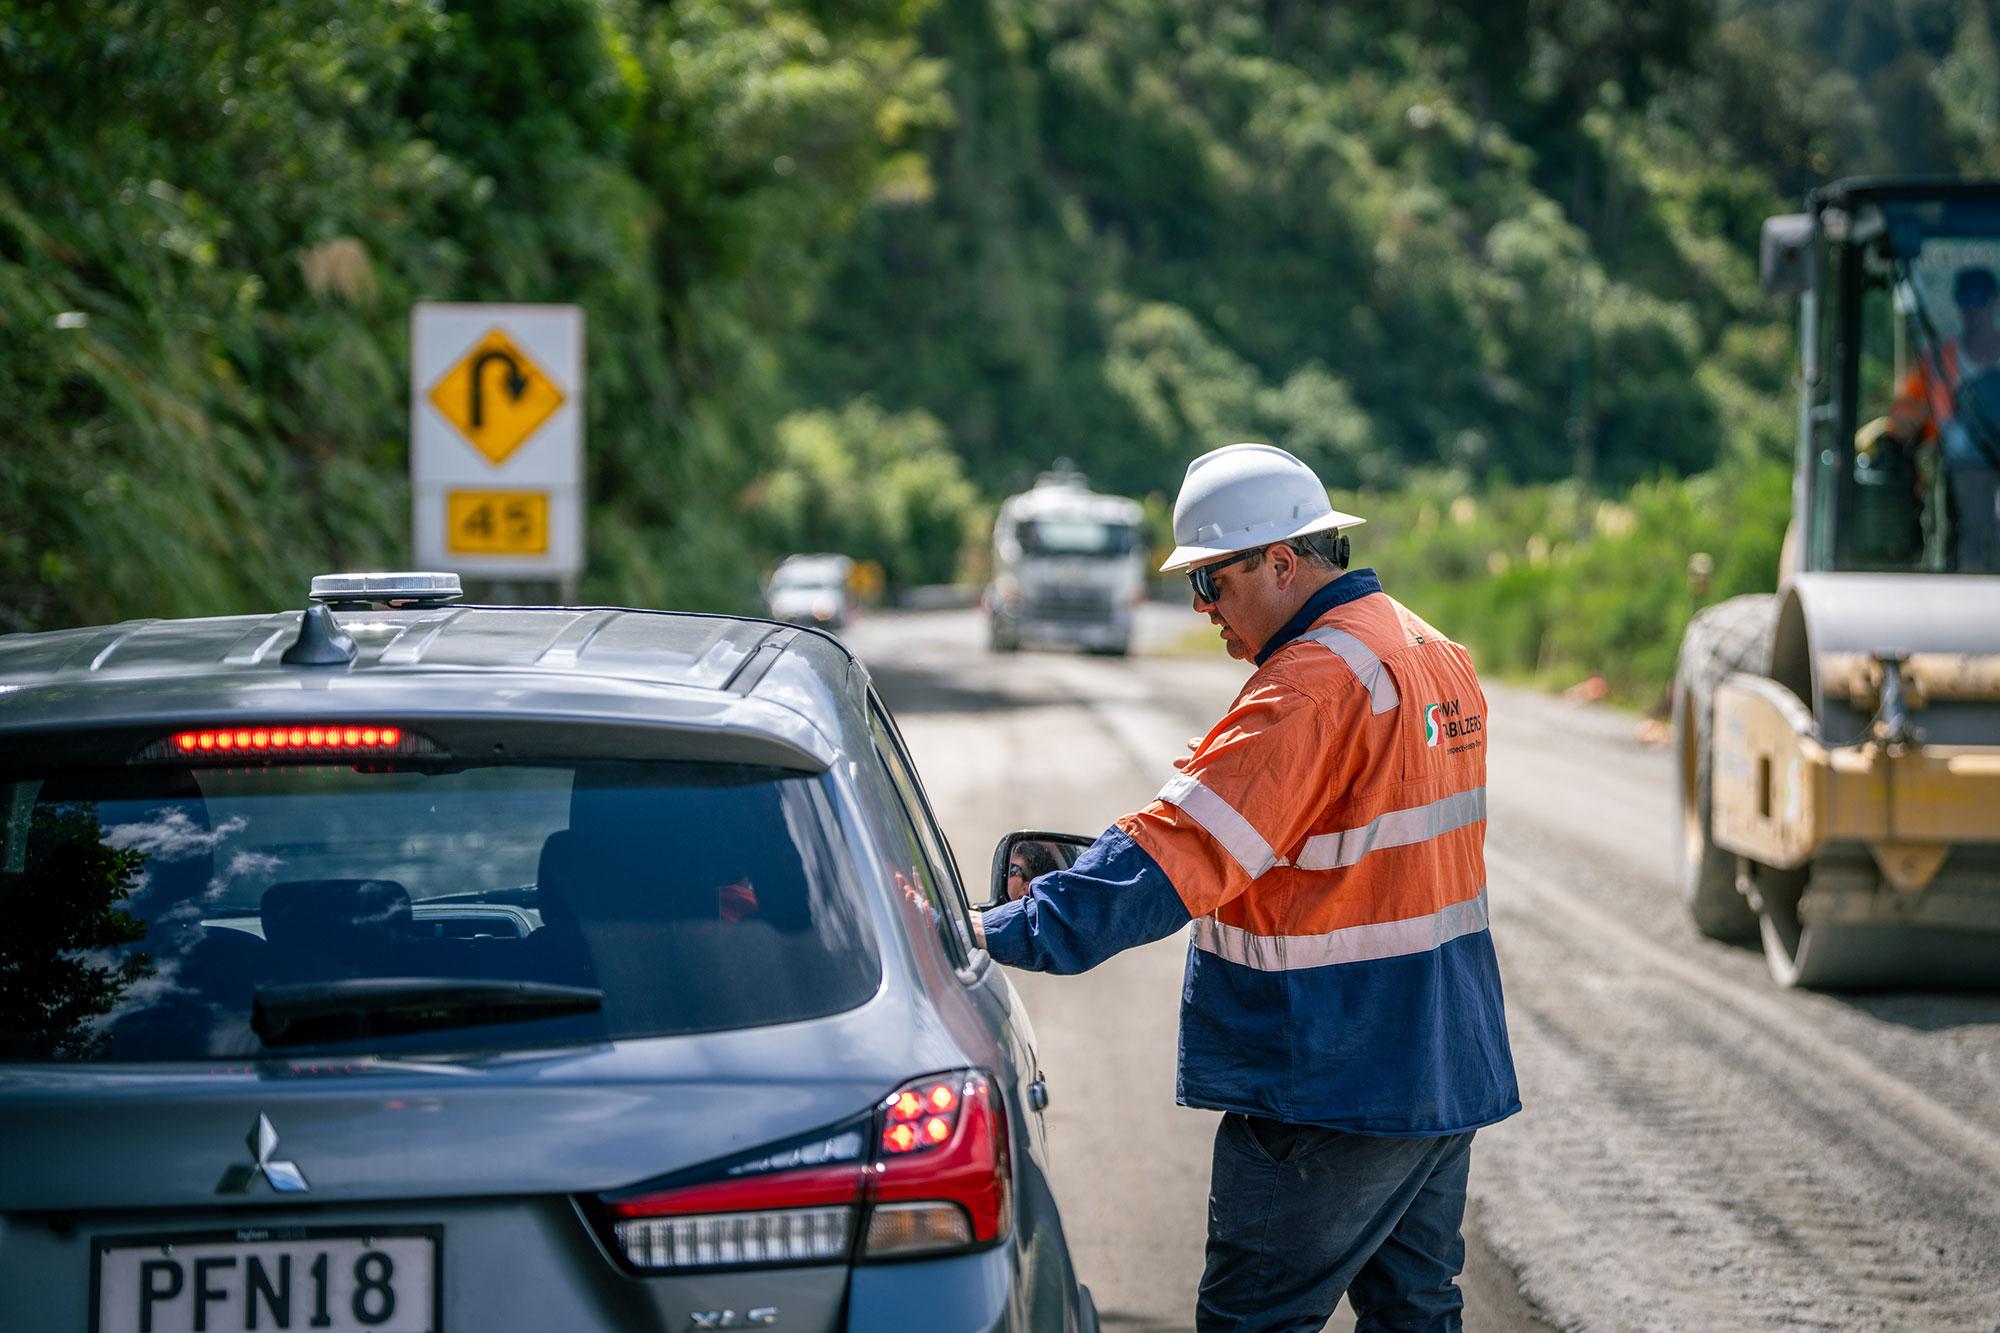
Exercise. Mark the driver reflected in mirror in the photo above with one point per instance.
(1028, 861)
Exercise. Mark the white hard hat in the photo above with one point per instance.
(1245, 495)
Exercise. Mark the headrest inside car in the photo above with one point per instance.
(328, 913)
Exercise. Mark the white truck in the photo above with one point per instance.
(1069, 566)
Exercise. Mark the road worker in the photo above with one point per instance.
(1326, 838)
(1926, 403)
(1952, 395)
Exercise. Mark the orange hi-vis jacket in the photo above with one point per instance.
(1327, 840)
(1928, 387)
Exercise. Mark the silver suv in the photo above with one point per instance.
(408, 967)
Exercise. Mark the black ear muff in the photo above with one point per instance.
(1340, 550)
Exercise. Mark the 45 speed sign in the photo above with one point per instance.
(496, 439)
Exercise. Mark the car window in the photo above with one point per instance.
(807, 578)
(930, 855)
(144, 910)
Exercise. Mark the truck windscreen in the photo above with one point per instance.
(1077, 537)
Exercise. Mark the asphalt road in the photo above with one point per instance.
(1698, 1149)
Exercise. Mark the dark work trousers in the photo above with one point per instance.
(1298, 1215)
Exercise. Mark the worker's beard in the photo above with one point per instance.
(1234, 643)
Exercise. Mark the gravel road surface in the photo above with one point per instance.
(1698, 1151)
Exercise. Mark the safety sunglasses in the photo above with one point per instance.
(1202, 577)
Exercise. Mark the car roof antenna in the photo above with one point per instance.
(321, 641)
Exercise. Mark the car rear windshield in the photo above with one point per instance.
(173, 913)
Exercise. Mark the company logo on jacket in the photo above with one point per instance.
(1446, 721)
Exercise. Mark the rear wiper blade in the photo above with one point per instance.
(303, 1013)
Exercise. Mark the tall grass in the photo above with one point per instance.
(1552, 586)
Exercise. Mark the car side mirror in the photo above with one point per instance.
(1027, 853)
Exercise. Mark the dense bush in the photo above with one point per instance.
(214, 220)
(1554, 585)
(853, 271)
(1514, 241)
(873, 486)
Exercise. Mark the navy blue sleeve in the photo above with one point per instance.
(1114, 897)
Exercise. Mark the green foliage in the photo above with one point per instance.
(843, 264)
(1190, 391)
(1551, 584)
(873, 486)
(1514, 241)
(64, 907)
(1175, 222)
(206, 279)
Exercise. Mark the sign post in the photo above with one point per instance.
(496, 440)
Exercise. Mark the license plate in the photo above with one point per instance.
(348, 1281)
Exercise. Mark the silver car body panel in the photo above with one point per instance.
(498, 1149)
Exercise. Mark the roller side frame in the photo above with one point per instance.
(1856, 783)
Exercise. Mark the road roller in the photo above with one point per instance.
(1838, 741)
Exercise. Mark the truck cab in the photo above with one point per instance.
(1068, 567)
(1898, 283)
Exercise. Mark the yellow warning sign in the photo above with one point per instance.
(496, 396)
(496, 522)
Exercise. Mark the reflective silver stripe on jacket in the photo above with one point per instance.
(1352, 944)
(1398, 828)
(1223, 822)
(1361, 660)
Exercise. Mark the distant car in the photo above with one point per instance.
(811, 590)
(409, 967)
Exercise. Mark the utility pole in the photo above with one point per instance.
(1579, 427)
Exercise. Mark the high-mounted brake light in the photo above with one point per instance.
(292, 738)
(924, 1173)
(339, 740)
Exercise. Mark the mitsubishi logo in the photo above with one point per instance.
(285, 1177)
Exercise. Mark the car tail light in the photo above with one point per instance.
(940, 1181)
(795, 1205)
(925, 1172)
(288, 740)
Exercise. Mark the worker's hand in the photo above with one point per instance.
(915, 897)
(978, 930)
(1906, 419)
(1194, 743)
